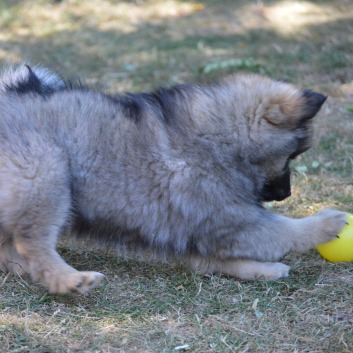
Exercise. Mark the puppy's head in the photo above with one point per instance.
(281, 129)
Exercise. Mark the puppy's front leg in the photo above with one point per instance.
(318, 229)
(249, 247)
(249, 253)
(239, 268)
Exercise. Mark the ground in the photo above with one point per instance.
(136, 46)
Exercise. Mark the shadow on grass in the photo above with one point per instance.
(152, 55)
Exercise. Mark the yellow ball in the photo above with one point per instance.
(340, 249)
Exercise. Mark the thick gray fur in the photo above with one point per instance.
(181, 171)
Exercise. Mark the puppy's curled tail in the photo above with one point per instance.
(23, 79)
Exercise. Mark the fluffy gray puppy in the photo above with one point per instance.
(180, 171)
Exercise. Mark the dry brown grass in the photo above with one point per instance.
(137, 45)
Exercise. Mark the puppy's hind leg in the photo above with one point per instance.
(10, 259)
(35, 203)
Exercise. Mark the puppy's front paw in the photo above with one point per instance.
(330, 223)
(318, 229)
(274, 270)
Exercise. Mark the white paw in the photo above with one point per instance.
(77, 281)
(274, 270)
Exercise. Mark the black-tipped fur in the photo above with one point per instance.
(24, 79)
(180, 171)
(314, 101)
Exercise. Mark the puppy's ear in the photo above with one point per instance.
(312, 103)
(291, 110)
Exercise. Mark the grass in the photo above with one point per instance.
(148, 307)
